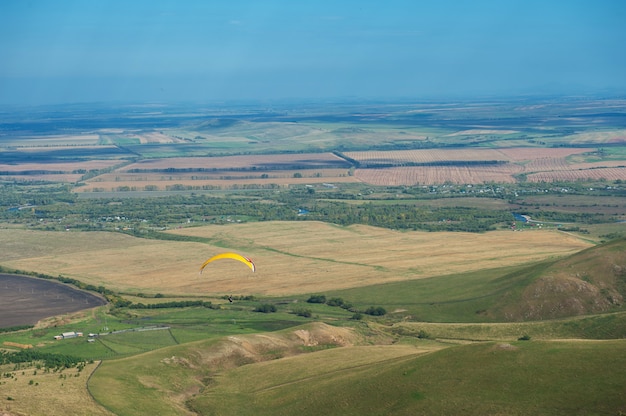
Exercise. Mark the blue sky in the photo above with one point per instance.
(65, 51)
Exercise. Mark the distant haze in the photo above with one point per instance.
(67, 51)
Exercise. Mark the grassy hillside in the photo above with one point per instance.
(160, 382)
(594, 327)
(521, 378)
(591, 281)
(375, 370)
(588, 282)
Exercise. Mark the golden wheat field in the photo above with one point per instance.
(291, 257)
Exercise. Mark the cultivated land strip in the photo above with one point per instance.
(291, 257)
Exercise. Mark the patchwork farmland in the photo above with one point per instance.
(373, 283)
(478, 166)
(380, 168)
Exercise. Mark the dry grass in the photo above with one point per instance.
(291, 257)
(35, 393)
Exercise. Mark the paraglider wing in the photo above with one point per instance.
(245, 260)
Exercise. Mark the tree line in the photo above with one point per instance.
(50, 360)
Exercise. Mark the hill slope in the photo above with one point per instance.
(160, 382)
(523, 378)
(588, 282)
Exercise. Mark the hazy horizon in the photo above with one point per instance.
(195, 51)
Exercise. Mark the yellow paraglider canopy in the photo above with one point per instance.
(245, 260)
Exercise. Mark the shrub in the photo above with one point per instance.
(423, 334)
(525, 337)
(317, 299)
(376, 311)
(239, 297)
(265, 308)
(303, 312)
(357, 316)
(335, 302)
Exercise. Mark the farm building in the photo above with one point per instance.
(67, 335)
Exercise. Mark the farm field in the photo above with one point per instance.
(224, 172)
(380, 168)
(399, 145)
(25, 301)
(479, 166)
(292, 257)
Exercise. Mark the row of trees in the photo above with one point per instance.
(339, 302)
(175, 304)
(321, 299)
(49, 360)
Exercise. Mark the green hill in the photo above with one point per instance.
(522, 378)
(589, 282)
(320, 369)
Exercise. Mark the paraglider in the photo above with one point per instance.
(245, 260)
